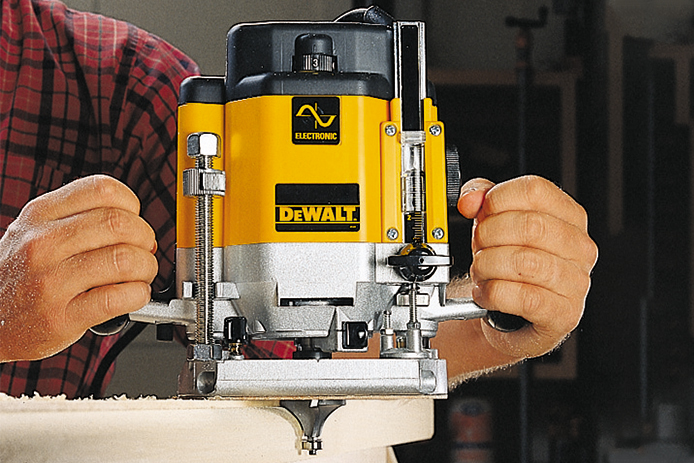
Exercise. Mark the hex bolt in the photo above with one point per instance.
(203, 144)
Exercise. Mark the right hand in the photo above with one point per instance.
(73, 258)
(532, 257)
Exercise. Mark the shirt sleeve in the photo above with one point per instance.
(140, 146)
(83, 94)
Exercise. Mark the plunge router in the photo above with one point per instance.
(313, 187)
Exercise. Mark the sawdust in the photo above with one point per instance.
(46, 404)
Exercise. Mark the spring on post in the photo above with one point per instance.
(414, 311)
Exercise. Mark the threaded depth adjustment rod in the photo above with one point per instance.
(204, 182)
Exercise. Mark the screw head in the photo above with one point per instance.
(435, 130)
(437, 233)
(391, 130)
(392, 234)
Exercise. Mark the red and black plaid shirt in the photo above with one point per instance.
(82, 94)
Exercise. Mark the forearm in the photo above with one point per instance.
(467, 352)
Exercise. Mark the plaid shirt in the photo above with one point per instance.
(82, 94)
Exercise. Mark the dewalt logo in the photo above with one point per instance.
(317, 207)
(327, 218)
(315, 120)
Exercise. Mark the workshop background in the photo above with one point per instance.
(610, 120)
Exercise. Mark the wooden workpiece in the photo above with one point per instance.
(43, 429)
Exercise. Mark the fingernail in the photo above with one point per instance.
(473, 185)
(476, 292)
(467, 189)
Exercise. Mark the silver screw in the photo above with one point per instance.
(435, 130)
(437, 233)
(391, 130)
(392, 234)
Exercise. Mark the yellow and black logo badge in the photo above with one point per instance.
(316, 120)
(317, 207)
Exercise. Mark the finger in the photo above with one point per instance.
(106, 302)
(535, 194)
(107, 266)
(530, 266)
(472, 196)
(538, 231)
(551, 313)
(99, 228)
(84, 194)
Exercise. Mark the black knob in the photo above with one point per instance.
(314, 53)
(235, 330)
(355, 335)
(418, 262)
(165, 332)
(505, 322)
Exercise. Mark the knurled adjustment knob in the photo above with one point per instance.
(314, 53)
(453, 181)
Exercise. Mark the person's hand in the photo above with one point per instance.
(74, 257)
(532, 257)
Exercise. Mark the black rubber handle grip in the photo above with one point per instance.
(113, 326)
(505, 322)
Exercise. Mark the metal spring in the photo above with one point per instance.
(414, 311)
(204, 264)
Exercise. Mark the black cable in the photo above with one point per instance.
(371, 15)
(110, 357)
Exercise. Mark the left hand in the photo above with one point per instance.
(73, 258)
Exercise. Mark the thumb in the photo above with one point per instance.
(472, 196)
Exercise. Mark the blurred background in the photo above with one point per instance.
(609, 119)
